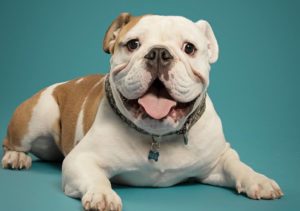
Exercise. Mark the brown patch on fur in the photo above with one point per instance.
(18, 125)
(56, 130)
(110, 35)
(119, 27)
(133, 21)
(70, 97)
(91, 105)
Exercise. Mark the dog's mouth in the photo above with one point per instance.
(156, 103)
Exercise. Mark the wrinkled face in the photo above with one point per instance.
(159, 68)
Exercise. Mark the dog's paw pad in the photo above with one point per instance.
(258, 186)
(102, 200)
(16, 160)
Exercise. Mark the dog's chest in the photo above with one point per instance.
(123, 152)
(176, 163)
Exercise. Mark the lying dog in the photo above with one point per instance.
(149, 122)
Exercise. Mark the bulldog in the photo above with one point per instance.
(148, 122)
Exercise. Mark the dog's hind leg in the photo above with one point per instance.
(14, 159)
(34, 128)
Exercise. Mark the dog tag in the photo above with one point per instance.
(153, 155)
(154, 151)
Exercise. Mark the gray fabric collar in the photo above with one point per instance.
(154, 152)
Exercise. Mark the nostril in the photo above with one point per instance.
(165, 55)
(151, 55)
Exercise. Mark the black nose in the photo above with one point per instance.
(159, 57)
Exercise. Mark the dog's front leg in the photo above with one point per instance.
(84, 178)
(231, 172)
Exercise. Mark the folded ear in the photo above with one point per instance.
(113, 31)
(213, 48)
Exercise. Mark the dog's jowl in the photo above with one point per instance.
(148, 122)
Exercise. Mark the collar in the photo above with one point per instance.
(154, 151)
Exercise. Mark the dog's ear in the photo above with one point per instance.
(213, 48)
(112, 32)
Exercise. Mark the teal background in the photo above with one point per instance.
(254, 86)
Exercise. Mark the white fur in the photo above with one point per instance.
(212, 45)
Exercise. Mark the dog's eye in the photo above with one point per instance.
(189, 48)
(133, 44)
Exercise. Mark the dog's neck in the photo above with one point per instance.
(154, 152)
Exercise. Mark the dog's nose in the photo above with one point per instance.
(159, 57)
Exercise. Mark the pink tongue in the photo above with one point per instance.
(157, 103)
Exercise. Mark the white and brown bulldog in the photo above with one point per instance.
(149, 122)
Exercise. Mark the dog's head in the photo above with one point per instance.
(159, 68)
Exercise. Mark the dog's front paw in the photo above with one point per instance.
(258, 186)
(102, 200)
